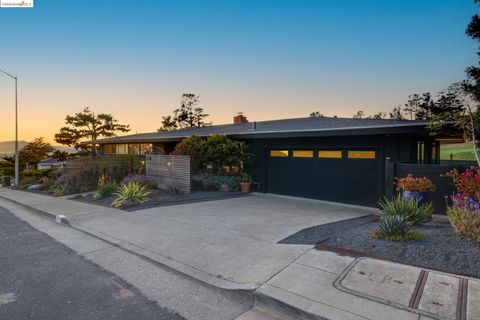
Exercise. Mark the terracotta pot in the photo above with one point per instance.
(245, 186)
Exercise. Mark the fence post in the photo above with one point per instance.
(389, 168)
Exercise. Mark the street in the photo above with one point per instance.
(41, 278)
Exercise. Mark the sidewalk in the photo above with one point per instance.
(298, 281)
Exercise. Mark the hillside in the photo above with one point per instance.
(8, 147)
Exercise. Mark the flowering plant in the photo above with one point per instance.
(464, 216)
(409, 183)
(141, 179)
(467, 183)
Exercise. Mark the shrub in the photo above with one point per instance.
(6, 181)
(143, 180)
(409, 183)
(411, 210)
(28, 181)
(107, 189)
(232, 182)
(131, 194)
(67, 184)
(464, 217)
(46, 183)
(393, 225)
(203, 181)
(174, 189)
(467, 183)
(35, 173)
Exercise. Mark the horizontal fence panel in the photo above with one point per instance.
(169, 170)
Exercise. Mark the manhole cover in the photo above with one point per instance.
(434, 294)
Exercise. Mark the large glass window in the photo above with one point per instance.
(302, 153)
(332, 154)
(278, 153)
(361, 154)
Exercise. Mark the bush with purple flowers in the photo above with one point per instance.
(464, 215)
(143, 180)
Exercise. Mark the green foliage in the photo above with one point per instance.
(393, 225)
(410, 235)
(35, 173)
(217, 151)
(231, 182)
(174, 189)
(413, 212)
(6, 181)
(222, 151)
(465, 222)
(105, 190)
(35, 151)
(87, 125)
(87, 171)
(131, 194)
(193, 147)
(46, 183)
(188, 115)
(28, 181)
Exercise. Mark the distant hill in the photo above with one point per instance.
(8, 147)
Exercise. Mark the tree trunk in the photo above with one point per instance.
(474, 140)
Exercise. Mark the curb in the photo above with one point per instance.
(247, 290)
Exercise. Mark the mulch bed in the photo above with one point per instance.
(163, 198)
(440, 249)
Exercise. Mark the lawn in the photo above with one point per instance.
(460, 151)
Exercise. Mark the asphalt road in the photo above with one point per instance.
(41, 278)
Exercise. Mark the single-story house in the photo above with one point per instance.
(328, 158)
(50, 163)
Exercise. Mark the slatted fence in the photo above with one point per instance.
(169, 170)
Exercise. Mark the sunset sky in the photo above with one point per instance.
(268, 59)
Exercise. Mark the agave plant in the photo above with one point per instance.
(411, 210)
(394, 225)
(131, 193)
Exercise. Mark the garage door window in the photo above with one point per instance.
(330, 154)
(361, 154)
(278, 153)
(302, 153)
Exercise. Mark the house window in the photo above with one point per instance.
(278, 153)
(302, 153)
(361, 154)
(332, 154)
(109, 149)
(121, 149)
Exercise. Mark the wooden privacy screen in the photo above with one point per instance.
(169, 171)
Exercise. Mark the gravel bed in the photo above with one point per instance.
(440, 248)
(163, 198)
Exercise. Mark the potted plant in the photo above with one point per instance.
(415, 188)
(245, 184)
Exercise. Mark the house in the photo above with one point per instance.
(328, 158)
(50, 163)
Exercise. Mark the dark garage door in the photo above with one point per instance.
(350, 176)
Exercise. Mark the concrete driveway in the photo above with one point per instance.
(230, 243)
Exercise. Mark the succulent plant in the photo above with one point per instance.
(411, 210)
(393, 225)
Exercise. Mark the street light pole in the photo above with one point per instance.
(17, 162)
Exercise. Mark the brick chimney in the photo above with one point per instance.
(240, 118)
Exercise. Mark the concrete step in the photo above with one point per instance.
(259, 313)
